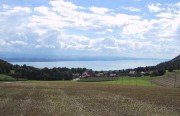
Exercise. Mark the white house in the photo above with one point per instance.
(85, 74)
(99, 74)
(113, 75)
(132, 72)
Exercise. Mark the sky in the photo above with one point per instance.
(66, 28)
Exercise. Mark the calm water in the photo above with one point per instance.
(95, 65)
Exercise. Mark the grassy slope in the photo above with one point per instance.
(74, 99)
(141, 81)
(4, 77)
(125, 80)
(168, 79)
(169, 74)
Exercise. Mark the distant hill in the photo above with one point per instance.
(176, 59)
(174, 63)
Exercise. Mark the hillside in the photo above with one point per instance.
(6, 78)
(170, 79)
(5, 67)
(174, 63)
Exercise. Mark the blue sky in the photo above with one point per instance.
(127, 28)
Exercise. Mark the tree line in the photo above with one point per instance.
(32, 73)
(63, 73)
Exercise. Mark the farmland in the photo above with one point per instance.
(167, 80)
(136, 81)
(121, 80)
(170, 79)
(78, 98)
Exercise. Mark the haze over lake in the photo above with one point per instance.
(95, 65)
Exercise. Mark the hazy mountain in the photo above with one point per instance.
(74, 58)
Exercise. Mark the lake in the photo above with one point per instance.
(95, 65)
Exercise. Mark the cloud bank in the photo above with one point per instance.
(61, 26)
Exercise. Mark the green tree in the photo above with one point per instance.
(161, 72)
(170, 69)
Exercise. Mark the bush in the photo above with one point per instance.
(161, 72)
(170, 69)
(154, 73)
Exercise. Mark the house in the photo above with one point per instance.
(113, 75)
(132, 72)
(142, 73)
(85, 74)
(99, 74)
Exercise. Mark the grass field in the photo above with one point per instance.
(136, 81)
(86, 99)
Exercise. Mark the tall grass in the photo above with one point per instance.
(79, 99)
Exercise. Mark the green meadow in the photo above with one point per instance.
(126, 80)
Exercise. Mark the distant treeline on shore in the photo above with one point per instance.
(63, 73)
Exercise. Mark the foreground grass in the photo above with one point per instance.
(89, 99)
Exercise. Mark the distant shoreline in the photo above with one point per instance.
(95, 65)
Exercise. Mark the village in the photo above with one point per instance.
(108, 74)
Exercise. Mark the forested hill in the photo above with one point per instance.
(174, 64)
(5, 67)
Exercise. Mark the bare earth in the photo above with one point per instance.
(86, 99)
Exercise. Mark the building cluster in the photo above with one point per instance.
(90, 73)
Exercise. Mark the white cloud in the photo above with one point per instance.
(2, 42)
(178, 4)
(5, 46)
(63, 17)
(15, 10)
(42, 9)
(164, 15)
(132, 9)
(20, 9)
(137, 0)
(5, 6)
(50, 46)
(62, 6)
(154, 8)
(76, 42)
(166, 39)
(137, 29)
(40, 32)
(17, 42)
(38, 46)
(110, 30)
(64, 25)
(98, 10)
